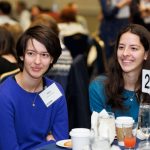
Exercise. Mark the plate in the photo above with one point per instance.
(61, 143)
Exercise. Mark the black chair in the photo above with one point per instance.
(77, 44)
(77, 94)
(100, 65)
(7, 74)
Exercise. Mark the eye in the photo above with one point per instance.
(30, 53)
(45, 55)
(134, 48)
(120, 47)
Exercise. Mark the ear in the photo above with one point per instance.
(51, 61)
(146, 55)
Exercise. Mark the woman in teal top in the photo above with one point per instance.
(120, 90)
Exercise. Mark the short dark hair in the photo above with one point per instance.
(44, 35)
(5, 7)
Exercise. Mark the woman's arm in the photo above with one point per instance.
(110, 11)
(60, 120)
(8, 138)
(97, 95)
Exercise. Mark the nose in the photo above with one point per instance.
(37, 59)
(126, 51)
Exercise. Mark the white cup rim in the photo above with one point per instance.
(80, 132)
(124, 120)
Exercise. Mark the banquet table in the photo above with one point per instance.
(53, 146)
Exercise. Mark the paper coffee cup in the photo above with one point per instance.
(80, 138)
(126, 122)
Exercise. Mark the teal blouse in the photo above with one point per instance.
(97, 97)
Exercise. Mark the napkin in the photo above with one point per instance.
(140, 135)
(101, 127)
(94, 124)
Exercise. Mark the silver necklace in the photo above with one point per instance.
(34, 100)
(131, 97)
(33, 103)
(37, 93)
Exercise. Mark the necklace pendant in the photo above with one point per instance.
(131, 99)
(33, 105)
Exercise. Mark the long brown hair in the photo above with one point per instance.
(115, 82)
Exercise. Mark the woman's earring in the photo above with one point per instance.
(21, 58)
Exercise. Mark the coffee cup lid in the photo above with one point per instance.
(124, 120)
(80, 132)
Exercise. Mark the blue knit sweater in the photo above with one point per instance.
(98, 100)
(24, 127)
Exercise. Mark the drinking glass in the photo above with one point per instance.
(145, 145)
(144, 119)
(107, 129)
(129, 133)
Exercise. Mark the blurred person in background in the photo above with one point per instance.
(24, 16)
(68, 23)
(81, 19)
(5, 13)
(145, 12)
(8, 62)
(72, 33)
(16, 30)
(35, 11)
(116, 15)
(140, 12)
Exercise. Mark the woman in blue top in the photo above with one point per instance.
(33, 108)
(120, 91)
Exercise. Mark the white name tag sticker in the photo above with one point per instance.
(50, 94)
(146, 81)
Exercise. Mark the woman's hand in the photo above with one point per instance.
(50, 137)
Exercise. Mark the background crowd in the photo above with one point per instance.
(92, 71)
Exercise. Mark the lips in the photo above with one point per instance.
(126, 61)
(36, 69)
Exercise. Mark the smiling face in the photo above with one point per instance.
(36, 59)
(131, 53)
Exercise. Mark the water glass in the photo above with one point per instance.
(144, 145)
(144, 119)
(107, 129)
(100, 144)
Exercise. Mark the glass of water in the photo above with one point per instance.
(145, 145)
(144, 119)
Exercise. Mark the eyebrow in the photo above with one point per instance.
(135, 45)
(130, 45)
(34, 50)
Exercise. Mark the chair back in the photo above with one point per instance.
(77, 44)
(77, 94)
